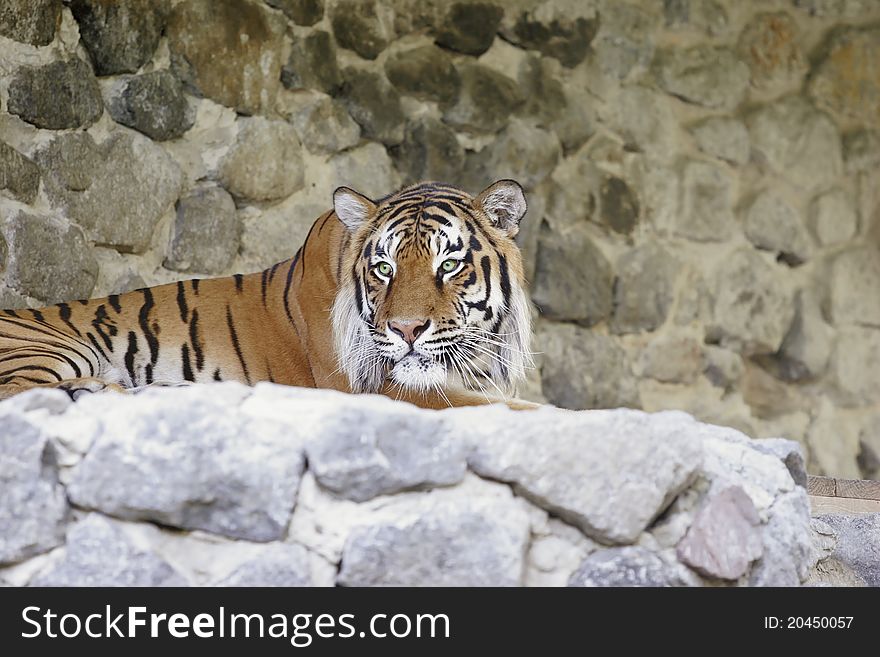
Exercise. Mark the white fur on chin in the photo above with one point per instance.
(419, 373)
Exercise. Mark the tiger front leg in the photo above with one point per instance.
(74, 388)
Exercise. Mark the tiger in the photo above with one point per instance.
(419, 296)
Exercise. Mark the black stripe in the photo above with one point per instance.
(287, 291)
(35, 368)
(238, 282)
(181, 301)
(51, 343)
(187, 366)
(129, 356)
(37, 315)
(236, 345)
(217, 376)
(44, 354)
(64, 313)
(99, 323)
(11, 313)
(272, 270)
(152, 340)
(505, 279)
(269, 371)
(264, 284)
(113, 300)
(195, 286)
(97, 346)
(196, 342)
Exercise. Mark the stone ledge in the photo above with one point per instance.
(228, 485)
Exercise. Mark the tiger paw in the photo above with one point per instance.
(76, 388)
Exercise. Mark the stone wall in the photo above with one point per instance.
(703, 174)
(268, 486)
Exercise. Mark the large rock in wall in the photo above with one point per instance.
(391, 494)
(701, 174)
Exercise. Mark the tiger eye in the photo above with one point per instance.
(384, 268)
(449, 265)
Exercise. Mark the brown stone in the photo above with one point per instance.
(228, 50)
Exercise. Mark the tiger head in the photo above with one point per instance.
(431, 289)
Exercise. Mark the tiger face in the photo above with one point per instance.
(431, 289)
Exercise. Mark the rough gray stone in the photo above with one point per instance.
(375, 104)
(30, 21)
(632, 565)
(545, 99)
(672, 359)
(152, 103)
(279, 564)
(487, 100)
(861, 150)
(846, 81)
(753, 309)
(48, 259)
(562, 465)
(624, 43)
(832, 218)
(705, 75)
(425, 72)
(725, 537)
(557, 30)
(855, 287)
(724, 138)
(835, 8)
(469, 542)
(359, 455)
(788, 549)
(265, 163)
(367, 168)
(582, 369)
(703, 15)
(854, 363)
(429, 151)
(619, 206)
(804, 351)
(521, 152)
(789, 452)
(324, 126)
(723, 367)
(643, 291)
(573, 280)
(206, 233)
(120, 36)
(312, 63)
(116, 191)
(362, 26)
(98, 554)
(301, 12)
(706, 212)
(769, 45)
(469, 27)
(183, 459)
(33, 508)
(772, 224)
(19, 176)
(60, 95)
(247, 75)
(793, 139)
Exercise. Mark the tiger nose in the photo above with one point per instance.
(409, 329)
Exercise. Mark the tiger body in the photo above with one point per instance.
(326, 318)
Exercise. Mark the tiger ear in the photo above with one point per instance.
(351, 207)
(505, 204)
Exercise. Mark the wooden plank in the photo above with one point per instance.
(862, 489)
(820, 505)
(822, 486)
